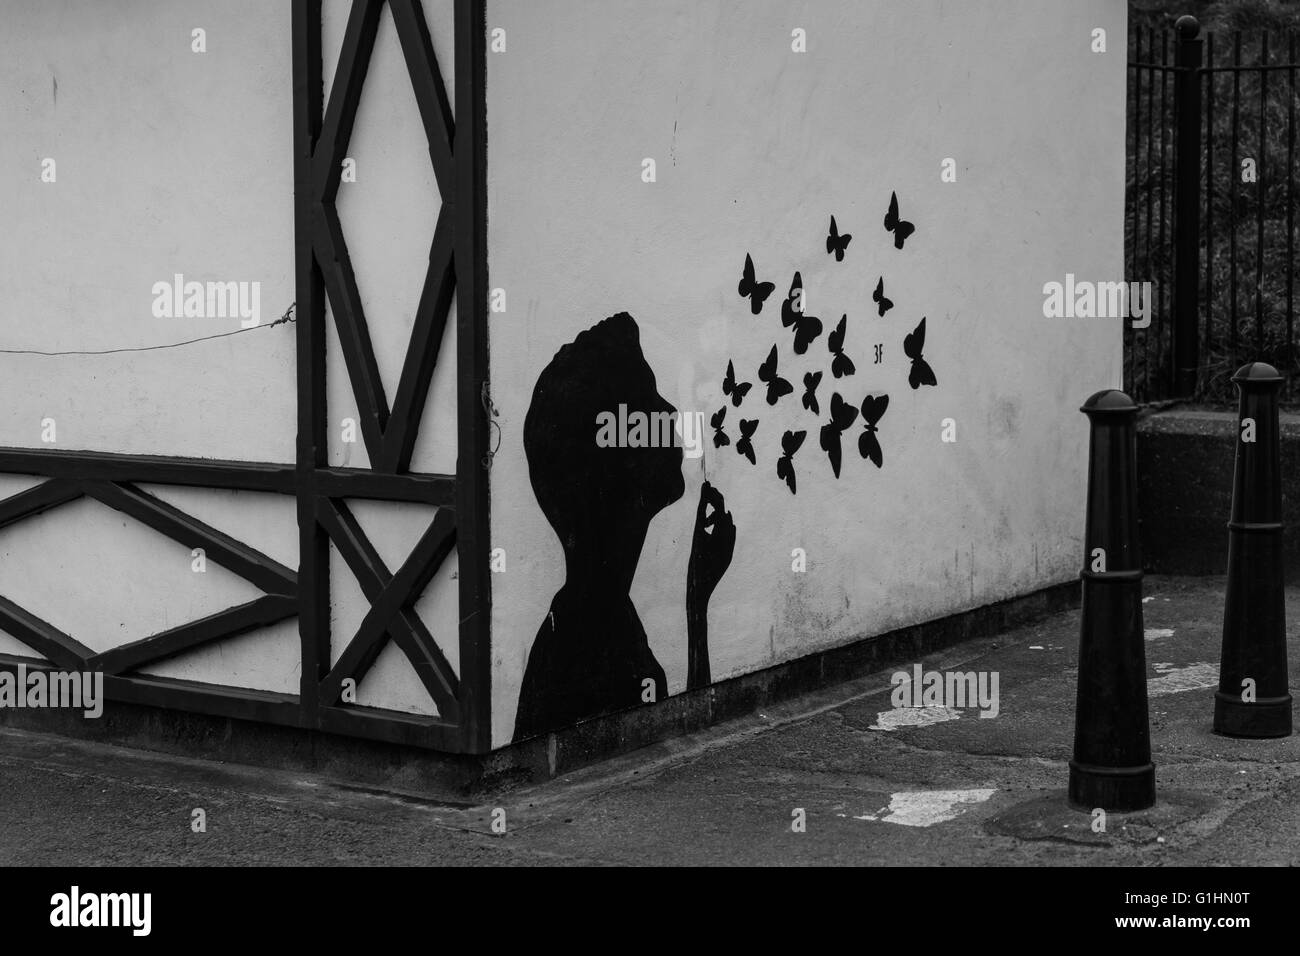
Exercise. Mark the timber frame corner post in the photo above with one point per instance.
(457, 264)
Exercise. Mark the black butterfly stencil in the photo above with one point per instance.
(810, 382)
(868, 444)
(719, 436)
(776, 385)
(836, 243)
(879, 297)
(806, 327)
(921, 373)
(901, 228)
(842, 416)
(743, 444)
(733, 388)
(841, 364)
(790, 443)
(757, 292)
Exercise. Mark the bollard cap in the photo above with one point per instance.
(1188, 27)
(1108, 401)
(1257, 373)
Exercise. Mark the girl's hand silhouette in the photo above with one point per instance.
(712, 545)
(711, 550)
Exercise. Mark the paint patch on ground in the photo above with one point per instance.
(925, 808)
(913, 717)
(1175, 680)
(1155, 633)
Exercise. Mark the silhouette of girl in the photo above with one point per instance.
(591, 655)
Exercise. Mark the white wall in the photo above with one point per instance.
(172, 161)
(167, 161)
(756, 146)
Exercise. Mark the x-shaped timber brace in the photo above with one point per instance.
(457, 263)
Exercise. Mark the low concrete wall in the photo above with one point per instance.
(1185, 463)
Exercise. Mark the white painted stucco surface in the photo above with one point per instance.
(756, 146)
(173, 161)
(167, 161)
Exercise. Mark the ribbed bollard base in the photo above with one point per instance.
(1114, 789)
(1266, 717)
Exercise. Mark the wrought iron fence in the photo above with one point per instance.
(1210, 215)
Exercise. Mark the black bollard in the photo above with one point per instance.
(1112, 766)
(1253, 699)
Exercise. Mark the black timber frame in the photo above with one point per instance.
(323, 269)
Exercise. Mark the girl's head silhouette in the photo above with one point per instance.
(599, 500)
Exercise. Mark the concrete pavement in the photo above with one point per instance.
(875, 786)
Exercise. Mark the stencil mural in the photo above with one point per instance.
(835, 243)
(823, 288)
(591, 655)
(806, 329)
